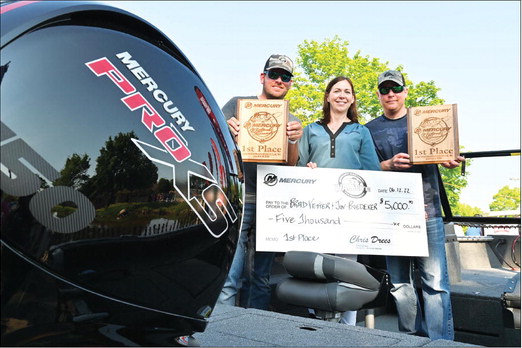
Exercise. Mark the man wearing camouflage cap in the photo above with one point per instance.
(276, 79)
(390, 137)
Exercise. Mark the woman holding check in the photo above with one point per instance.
(338, 140)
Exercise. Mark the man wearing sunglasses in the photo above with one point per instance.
(250, 270)
(390, 137)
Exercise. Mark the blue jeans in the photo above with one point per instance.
(250, 270)
(438, 318)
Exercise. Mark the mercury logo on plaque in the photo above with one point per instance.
(263, 130)
(433, 134)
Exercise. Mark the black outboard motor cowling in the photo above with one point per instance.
(121, 186)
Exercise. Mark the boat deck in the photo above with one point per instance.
(480, 316)
(238, 327)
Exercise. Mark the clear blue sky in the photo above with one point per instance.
(471, 49)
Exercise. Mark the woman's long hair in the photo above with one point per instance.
(352, 110)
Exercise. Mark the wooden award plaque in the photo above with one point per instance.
(433, 134)
(262, 135)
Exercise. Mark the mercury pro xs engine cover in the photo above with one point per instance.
(121, 186)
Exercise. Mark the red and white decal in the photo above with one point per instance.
(210, 203)
(7, 8)
(134, 101)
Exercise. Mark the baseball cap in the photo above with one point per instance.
(279, 61)
(391, 75)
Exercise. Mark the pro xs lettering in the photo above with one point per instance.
(215, 200)
(158, 94)
(149, 116)
(209, 202)
(20, 180)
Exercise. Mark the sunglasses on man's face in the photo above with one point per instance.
(395, 89)
(273, 75)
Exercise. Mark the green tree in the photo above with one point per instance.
(74, 173)
(463, 209)
(165, 185)
(507, 198)
(122, 166)
(454, 183)
(319, 62)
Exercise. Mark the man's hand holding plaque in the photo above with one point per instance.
(262, 130)
(433, 135)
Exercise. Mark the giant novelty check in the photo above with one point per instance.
(340, 211)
